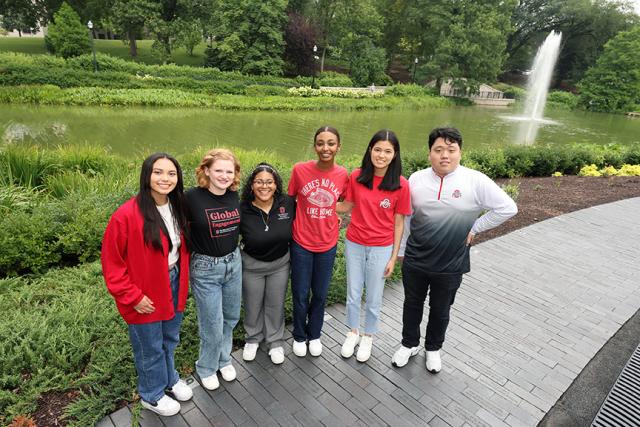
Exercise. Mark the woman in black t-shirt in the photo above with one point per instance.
(216, 269)
(267, 215)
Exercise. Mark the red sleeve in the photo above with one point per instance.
(293, 183)
(349, 192)
(114, 266)
(404, 199)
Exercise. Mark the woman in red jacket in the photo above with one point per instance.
(145, 264)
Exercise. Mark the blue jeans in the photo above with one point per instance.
(154, 346)
(310, 271)
(216, 284)
(365, 267)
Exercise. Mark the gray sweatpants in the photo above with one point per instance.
(264, 285)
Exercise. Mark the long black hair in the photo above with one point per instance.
(391, 179)
(153, 222)
(247, 191)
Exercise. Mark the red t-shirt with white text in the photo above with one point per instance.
(317, 191)
(373, 215)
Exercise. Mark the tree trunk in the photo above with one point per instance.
(19, 33)
(133, 47)
(324, 51)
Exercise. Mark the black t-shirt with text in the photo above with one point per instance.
(266, 237)
(214, 221)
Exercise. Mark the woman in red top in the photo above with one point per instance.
(316, 185)
(145, 264)
(379, 198)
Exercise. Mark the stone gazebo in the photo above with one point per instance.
(486, 94)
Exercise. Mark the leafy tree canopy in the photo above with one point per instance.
(613, 84)
(67, 35)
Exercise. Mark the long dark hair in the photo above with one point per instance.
(247, 192)
(153, 222)
(391, 179)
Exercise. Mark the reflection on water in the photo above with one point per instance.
(138, 130)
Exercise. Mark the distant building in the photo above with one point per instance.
(486, 94)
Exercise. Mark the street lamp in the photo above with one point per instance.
(315, 58)
(93, 48)
(415, 64)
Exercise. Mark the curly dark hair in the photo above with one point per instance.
(247, 192)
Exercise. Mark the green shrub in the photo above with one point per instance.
(333, 79)
(566, 99)
(510, 91)
(406, 90)
(67, 35)
(263, 90)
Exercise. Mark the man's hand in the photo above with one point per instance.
(145, 306)
(470, 237)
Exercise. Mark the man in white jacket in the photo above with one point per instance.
(447, 199)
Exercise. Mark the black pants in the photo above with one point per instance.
(442, 290)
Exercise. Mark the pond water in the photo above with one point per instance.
(131, 131)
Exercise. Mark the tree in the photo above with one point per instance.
(613, 84)
(368, 65)
(20, 15)
(67, 35)
(299, 40)
(130, 17)
(465, 40)
(250, 37)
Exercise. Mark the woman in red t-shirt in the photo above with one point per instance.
(316, 185)
(378, 197)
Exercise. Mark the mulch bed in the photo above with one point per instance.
(539, 199)
(544, 198)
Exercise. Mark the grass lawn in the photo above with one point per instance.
(35, 45)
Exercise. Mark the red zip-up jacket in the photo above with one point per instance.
(132, 269)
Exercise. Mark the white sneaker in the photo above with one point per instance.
(349, 345)
(250, 350)
(228, 372)
(364, 349)
(299, 348)
(181, 391)
(402, 355)
(434, 363)
(315, 347)
(166, 406)
(211, 382)
(277, 355)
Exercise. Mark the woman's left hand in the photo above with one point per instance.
(388, 270)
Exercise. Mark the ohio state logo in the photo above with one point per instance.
(385, 204)
(457, 194)
(282, 210)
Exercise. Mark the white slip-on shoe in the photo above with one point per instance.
(315, 347)
(250, 350)
(211, 382)
(364, 349)
(277, 355)
(166, 406)
(228, 372)
(349, 345)
(181, 391)
(299, 348)
(434, 364)
(402, 355)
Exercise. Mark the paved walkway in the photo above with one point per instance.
(537, 306)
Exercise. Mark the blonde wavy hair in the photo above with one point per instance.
(209, 159)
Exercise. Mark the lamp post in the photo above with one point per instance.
(315, 58)
(415, 64)
(93, 48)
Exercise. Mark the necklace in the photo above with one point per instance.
(266, 223)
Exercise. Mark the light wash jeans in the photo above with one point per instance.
(154, 345)
(216, 283)
(365, 267)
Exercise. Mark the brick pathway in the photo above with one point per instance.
(537, 306)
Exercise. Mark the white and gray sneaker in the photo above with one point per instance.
(249, 351)
(181, 391)
(349, 345)
(402, 355)
(364, 350)
(315, 347)
(433, 361)
(166, 406)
